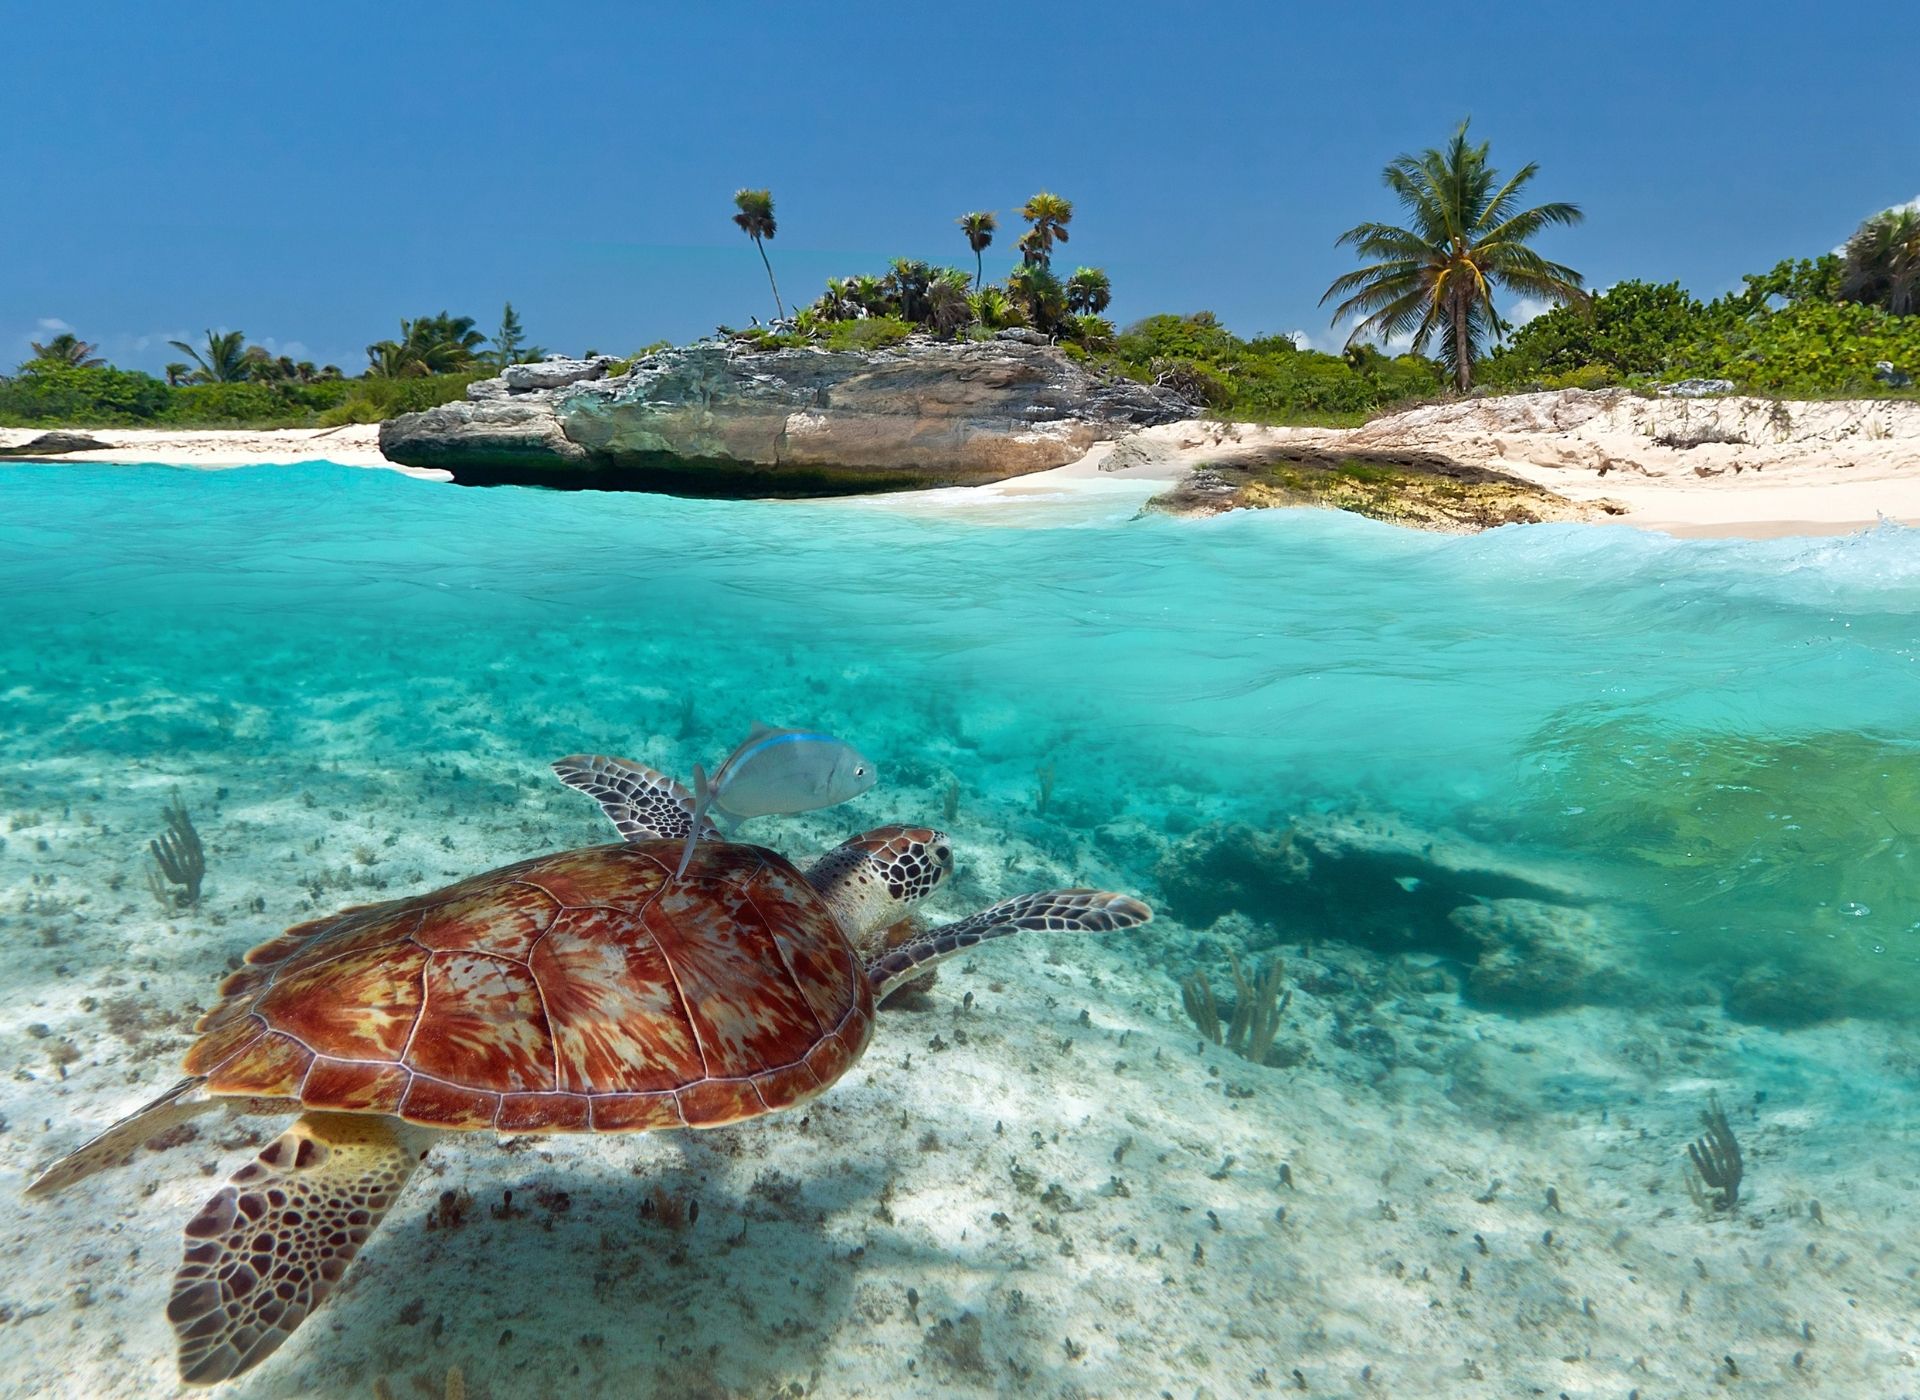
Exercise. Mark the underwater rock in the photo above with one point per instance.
(1536, 957)
(1767, 994)
(717, 419)
(1367, 880)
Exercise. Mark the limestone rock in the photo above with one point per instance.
(714, 419)
(1536, 956)
(554, 372)
(55, 444)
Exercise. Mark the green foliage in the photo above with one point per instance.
(47, 391)
(67, 348)
(1807, 347)
(442, 344)
(221, 360)
(873, 333)
(1465, 232)
(1881, 263)
(47, 394)
(1634, 328)
(1270, 378)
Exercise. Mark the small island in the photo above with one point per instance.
(1787, 404)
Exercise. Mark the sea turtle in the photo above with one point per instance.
(585, 991)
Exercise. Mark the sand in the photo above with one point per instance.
(356, 445)
(1039, 1181)
(1730, 466)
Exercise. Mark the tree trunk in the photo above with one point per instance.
(770, 282)
(1462, 361)
(979, 267)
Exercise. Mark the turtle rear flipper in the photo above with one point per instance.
(642, 804)
(1053, 911)
(274, 1242)
(119, 1142)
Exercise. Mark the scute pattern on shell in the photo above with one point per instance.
(578, 992)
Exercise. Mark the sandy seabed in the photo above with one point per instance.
(1053, 1189)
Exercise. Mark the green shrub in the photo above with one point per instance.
(232, 405)
(873, 333)
(48, 392)
(1586, 377)
(1634, 328)
(1808, 347)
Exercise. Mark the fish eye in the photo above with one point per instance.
(859, 770)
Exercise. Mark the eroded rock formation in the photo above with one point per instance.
(716, 420)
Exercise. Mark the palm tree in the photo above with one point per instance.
(1088, 291)
(1881, 263)
(67, 348)
(869, 293)
(1040, 294)
(1049, 216)
(225, 360)
(177, 373)
(979, 228)
(756, 221)
(1467, 232)
(907, 282)
(949, 309)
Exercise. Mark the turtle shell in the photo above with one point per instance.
(587, 991)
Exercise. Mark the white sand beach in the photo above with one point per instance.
(1702, 467)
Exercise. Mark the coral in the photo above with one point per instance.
(179, 859)
(1257, 1009)
(1714, 1164)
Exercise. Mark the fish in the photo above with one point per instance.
(775, 772)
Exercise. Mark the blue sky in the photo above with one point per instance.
(310, 174)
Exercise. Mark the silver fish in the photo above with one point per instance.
(777, 771)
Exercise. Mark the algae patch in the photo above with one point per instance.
(1419, 489)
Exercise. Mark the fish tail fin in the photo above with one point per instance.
(702, 798)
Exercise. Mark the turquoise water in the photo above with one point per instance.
(1594, 693)
(1699, 756)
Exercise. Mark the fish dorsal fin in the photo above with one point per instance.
(760, 731)
(702, 799)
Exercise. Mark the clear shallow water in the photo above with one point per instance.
(1697, 758)
(1722, 733)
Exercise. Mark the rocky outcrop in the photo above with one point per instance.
(56, 444)
(1425, 490)
(717, 419)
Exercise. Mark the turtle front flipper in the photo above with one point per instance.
(273, 1243)
(643, 805)
(1054, 911)
(119, 1142)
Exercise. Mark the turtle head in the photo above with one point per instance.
(873, 880)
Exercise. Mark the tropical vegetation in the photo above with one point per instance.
(1433, 280)
(226, 381)
(754, 215)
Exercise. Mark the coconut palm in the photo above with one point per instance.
(1088, 291)
(224, 361)
(1881, 263)
(1467, 231)
(756, 221)
(177, 373)
(67, 348)
(1049, 216)
(979, 228)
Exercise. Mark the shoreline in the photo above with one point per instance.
(1710, 468)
